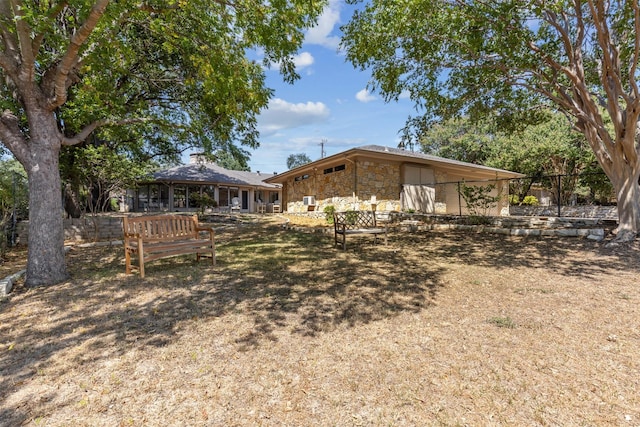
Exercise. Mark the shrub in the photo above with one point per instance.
(530, 201)
(329, 210)
(479, 199)
(203, 201)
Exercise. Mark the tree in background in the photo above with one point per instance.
(150, 76)
(105, 173)
(235, 160)
(547, 149)
(14, 198)
(511, 58)
(459, 139)
(295, 160)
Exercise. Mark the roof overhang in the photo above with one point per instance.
(398, 156)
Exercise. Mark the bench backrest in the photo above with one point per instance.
(161, 227)
(353, 220)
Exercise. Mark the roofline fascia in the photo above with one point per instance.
(357, 152)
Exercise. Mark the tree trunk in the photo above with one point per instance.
(46, 263)
(625, 183)
(72, 202)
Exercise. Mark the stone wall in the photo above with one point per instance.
(604, 212)
(81, 229)
(370, 178)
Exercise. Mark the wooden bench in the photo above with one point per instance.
(161, 236)
(356, 222)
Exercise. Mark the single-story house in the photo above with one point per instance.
(172, 189)
(390, 179)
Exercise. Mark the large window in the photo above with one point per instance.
(158, 197)
(210, 191)
(143, 198)
(224, 196)
(193, 189)
(179, 196)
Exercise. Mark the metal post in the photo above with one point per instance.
(559, 198)
(459, 200)
(14, 220)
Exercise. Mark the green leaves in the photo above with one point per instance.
(181, 66)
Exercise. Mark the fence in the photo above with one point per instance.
(568, 195)
(586, 195)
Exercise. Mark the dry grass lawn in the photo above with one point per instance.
(434, 329)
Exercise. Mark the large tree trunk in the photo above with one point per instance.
(46, 263)
(625, 183)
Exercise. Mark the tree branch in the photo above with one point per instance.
(87, 130)
(23, 31)
(636, 53)
(81, 136)
(69, 60)
(12, 136)
(9, 66)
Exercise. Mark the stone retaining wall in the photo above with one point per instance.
(608, 212)
(81, 229)
(590, 228)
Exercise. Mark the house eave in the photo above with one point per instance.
(394, 155)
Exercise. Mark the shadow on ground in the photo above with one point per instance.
(283, 281)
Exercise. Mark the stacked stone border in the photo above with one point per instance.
(590, 228)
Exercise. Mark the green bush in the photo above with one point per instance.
(530, 201)
(478, 198)
(329, 210)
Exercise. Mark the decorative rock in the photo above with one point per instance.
(595, 237)
(525, 232)
(7, 284)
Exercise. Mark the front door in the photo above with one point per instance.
(245, 200)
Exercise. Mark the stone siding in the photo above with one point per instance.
(370, 178)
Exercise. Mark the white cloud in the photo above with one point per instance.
(405, 95)
(303, 60)
(281, 114)
(321, 33)
(365, 96)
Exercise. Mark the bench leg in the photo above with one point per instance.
(127, 261)
(141, 260)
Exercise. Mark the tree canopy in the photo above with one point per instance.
(299, 159)
(540, 151)
(154, 76)
(514, 59)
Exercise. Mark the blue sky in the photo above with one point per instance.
(328, 103)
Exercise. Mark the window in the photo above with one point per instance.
(193, 190)
(223, 194)
(179, 196)
(334, 169)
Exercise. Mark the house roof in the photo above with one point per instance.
(213, 174)
(397, 154)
